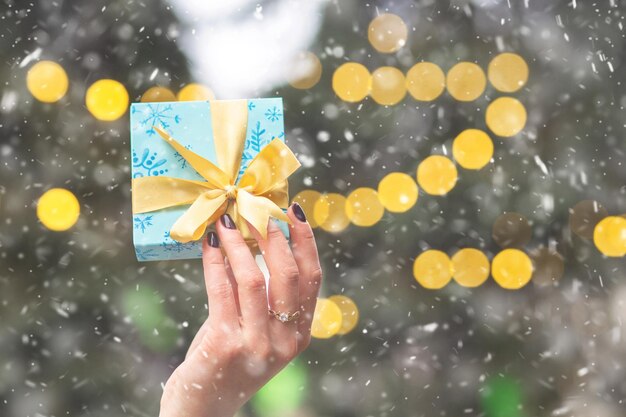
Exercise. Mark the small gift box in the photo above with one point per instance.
(194, 161)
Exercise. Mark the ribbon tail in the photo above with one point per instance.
(209, 171)
(192, 224)
(257, 210)
(156, 193)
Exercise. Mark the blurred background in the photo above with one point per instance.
(87, 330)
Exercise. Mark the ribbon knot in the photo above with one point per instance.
(257, 195)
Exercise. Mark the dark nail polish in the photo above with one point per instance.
(298, 212)
(227, 221)
(214, 241)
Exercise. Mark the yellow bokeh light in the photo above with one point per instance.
(329, 212)
(388, 86)
(471, 267)
(507, 72)
(437, 175)
(47, 81)
(609, 236)
(472, 149)
(397, 192)
(512, 269)
(349, 313)
(351, 82)
(195, 92)
(157, 94)
(107, 99)
(506, 116)
(425, 81)
(327, 319)
(305, 70)
(307, 200)
(432, 269)
(363, 207)
(58, 209)
(466, 81)
(387, 33)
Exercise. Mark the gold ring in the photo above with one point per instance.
(284, 316)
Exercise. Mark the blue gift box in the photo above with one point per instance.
(190, 124)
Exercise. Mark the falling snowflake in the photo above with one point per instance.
(159, 115)
(142, 223)
(273, 114)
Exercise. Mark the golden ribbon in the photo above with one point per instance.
(259, 194)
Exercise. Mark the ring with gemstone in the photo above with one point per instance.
(284, 316)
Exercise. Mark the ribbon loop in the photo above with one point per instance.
(260, 194)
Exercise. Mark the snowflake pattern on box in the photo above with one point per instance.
(253, 146)
(142, 222)
(273, 114)
(145, 254)
(171, 245)
(182, 161)
(147, 165)
(158, 115)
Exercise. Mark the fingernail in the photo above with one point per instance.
(227, 221)
(298, 212)
(213, 240)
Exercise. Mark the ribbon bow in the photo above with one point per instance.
(259, 194)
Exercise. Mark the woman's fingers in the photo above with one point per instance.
(251, 287)
(306, 257)
(283, 284)
(222, 306)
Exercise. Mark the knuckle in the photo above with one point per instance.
(316, 275)
(274, 233)
(221, 289)
(254, 281)
(290, 274)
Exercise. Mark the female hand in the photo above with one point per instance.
(240, 346)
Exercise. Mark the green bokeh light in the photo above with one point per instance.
(502, 397)
(157, 330)
(283, 393)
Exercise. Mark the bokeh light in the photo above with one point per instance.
(437, 175)
(507, 72)
(351, 82)
(397, 192)
(107, 100)
(329, 212)
(157, 94)
(58, 209)
(305, 70)
(349, 313)
(502, 397)
(470, 267)
(327, 319)
(432, 269)
(512, 269)
(284, 393)
(363, 207)
(47, 81)
(506, 116)
(609, 236)
(195, 92)
(584, 217)
(548, 266)
(511, 230)
(388, 86)
(307, 200)
(472, 149)
(466, 81)
(387, 33)
(425, 81)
